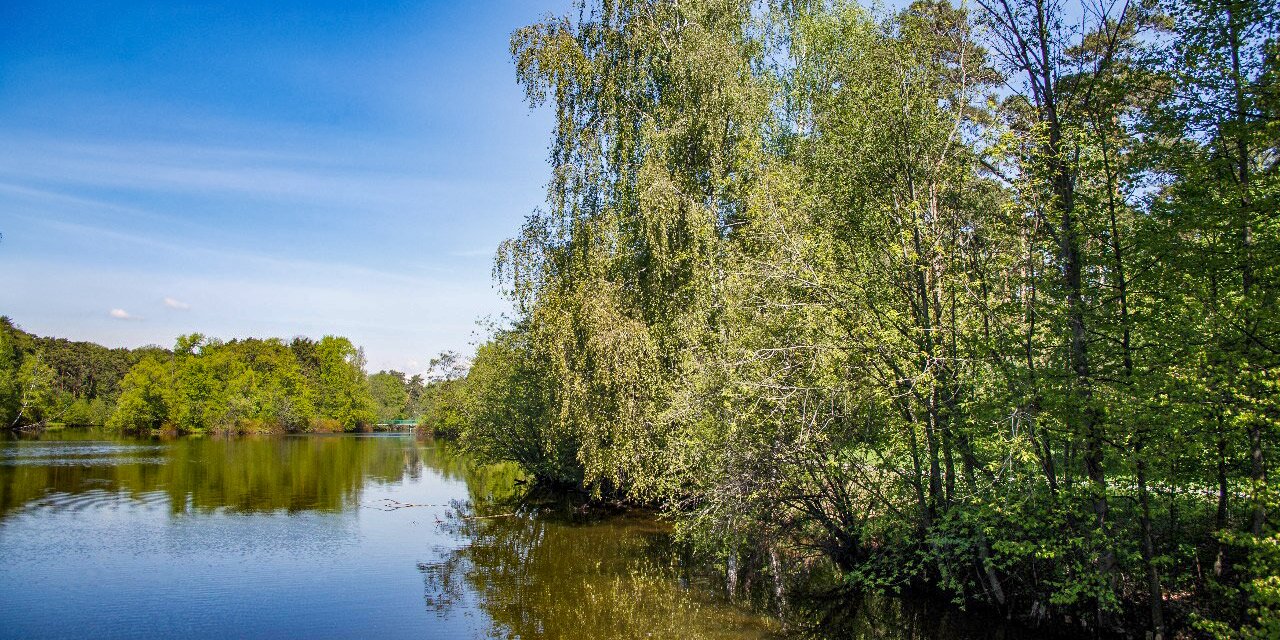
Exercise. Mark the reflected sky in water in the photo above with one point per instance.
(319, 537)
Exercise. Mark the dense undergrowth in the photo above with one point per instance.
(980, 301)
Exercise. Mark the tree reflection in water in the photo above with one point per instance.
(840, 614)
(539, 572)
(553, 572)
(243, 474)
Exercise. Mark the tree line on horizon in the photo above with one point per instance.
(980, 301)
(209, 385)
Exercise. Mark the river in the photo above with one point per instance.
(335, 536)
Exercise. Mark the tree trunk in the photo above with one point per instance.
(1257, 458)
(1156, 594)
(984, 548)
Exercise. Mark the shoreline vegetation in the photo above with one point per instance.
(977, 301)
(981, 303)
(206, 385)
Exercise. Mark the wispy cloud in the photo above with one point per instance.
(121, 314)
(43, 195)
(331, 179)
(176, 304)
(473, 253)
(226, 257)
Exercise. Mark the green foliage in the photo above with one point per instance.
(390, 393)
(506, 405)
(38, 398)
(144, 402)
(84, 412)
(30, 393)
(654, 146)
(970, 300)
(441, 401)
(248, 385)
(340, 389)
(10, 360)
(53, 380)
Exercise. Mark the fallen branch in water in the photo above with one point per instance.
(392, 505)
(500, 515)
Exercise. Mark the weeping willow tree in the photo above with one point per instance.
(978, 302)
(657, 114)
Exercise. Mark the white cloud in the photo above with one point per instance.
(175, 304)
(121, 314)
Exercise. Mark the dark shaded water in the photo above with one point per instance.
(344, 536)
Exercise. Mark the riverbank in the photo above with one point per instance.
(438, 542)
(123, 536)
(812, 601)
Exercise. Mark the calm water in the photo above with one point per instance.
(317, 536)
(351, 536)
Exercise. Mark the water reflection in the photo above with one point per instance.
(540, 572)
(342, 536)
(542, 575)
(76, 469)
(844, 616)
(486, 484)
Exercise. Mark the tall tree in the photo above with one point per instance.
(657, 110)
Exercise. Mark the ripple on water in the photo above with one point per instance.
(81, 462)
(268, 537)
(56, 501)
(79, 454)
(73, 449)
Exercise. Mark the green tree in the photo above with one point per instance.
(10, 361)
(390, 393)
(341, 391)
(656, 110)
(1214, 148)
(504, 404)
(952, 300)
(144, 402)
(249, 385)
(443, 400)
(38, 400)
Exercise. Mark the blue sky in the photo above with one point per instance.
(263, 169)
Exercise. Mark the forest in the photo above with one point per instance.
(206, 385)
(975, 301)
